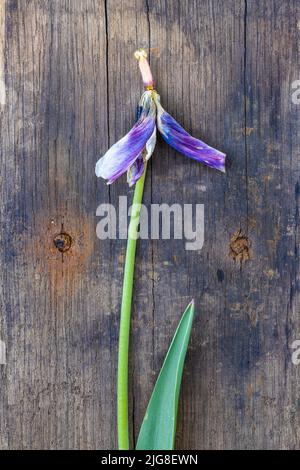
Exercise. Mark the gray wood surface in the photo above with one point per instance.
(68, 89)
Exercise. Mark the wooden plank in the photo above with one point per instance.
(200, 74)
(2, 54)
(225, 71)
(268, 394)
(57, 386)
(128, 29)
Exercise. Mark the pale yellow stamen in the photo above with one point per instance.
(139, 53)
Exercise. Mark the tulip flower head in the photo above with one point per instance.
(131, 153)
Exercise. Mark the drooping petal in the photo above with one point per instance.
(123, 154)
(150, 145)
(182, 141)
(135, 171)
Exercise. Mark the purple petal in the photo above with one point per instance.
(123, 154)
(150, 145)
(182, 141)
(135, 171)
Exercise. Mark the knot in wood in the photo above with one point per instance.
(63, 242)
(239, 247)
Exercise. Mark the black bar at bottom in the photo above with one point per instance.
(146, 459)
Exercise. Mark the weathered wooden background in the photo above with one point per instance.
(68, 89)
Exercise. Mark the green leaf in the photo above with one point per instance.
(159, 425)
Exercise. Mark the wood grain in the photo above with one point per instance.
(224, 70)
(2, 54)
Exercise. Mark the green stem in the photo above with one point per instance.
(122, 388)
